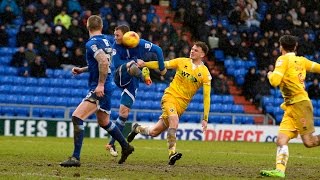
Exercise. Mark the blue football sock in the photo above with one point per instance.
(114, 131)
(120, 123)
(78, 136)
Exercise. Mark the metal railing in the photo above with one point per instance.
(134, 112)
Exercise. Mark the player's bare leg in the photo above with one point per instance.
(172, 139)
(134, 70)
(152, 131)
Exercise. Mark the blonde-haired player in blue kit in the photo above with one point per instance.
(289, 74)
(98, 99)
(191, 75)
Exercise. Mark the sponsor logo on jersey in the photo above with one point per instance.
(94, 48)
(279, 63)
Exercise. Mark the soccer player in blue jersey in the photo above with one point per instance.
(98, 100)
(128, 75)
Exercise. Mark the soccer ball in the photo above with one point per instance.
(130, 39)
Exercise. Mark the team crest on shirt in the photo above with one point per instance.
(147, 46)
(94, 48)
(171, 110)
(114, 52)
(279, 63)
(199, 74)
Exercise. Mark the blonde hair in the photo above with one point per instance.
(94, 23)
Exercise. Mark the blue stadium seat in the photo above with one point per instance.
(314, 104)
(20, 81)
(269, 109)
(8, 111)
(237, 109)
(214, 119)
(37, 100)
(278, 101)
(25, 99)
(194, 118)
(216, 99)
(5, 51)
(59, 73)
(229, 63)
(317, 122)
(60, 101)
(5, 60)
(226, 119)
(44, 82)
(226, 108)
(58, 113)
(46, 112)
(22, 111)
(198, 98)
(84, 76)
(31, 81)
(7, 79)
(114, 115)
(71, 110)
(155, 105)
(142, 116)
(49, 73)
(3, 98)
(193, 107)
(239, 64)
(146, 104)
(267, 100)
(278, 118)
(216, 107)
(227, 99)
(6, 89)
(12, 99)
(74, 101)
(116, 103)
(11, 71)
(184, 118)
(155, 116)
(160, 87)
(219, 54)
(238, 120)
(55, 82)
(277, 111)
(248, 120)
(40, 90)
(251, 63)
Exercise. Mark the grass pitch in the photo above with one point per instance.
(38, 158)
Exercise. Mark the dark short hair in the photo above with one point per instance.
(288, 42)
(203, 46)
(123, 28)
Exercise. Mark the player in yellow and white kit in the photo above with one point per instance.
(289, 75)
(191, 74)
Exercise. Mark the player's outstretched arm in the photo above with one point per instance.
(311, 66)
(206, 102)
(79, 70)
(161, 65)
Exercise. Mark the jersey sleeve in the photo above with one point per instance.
(207, 76)
(206, 92)
(312, 66)
(172, 64)
(150, 47)
(276, 76)
(206, 101)
(102, 45)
